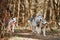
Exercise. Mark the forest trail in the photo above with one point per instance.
(30, 36)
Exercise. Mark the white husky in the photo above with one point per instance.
(11, 25)
(38, 24)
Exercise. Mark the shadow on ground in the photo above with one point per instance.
(54, 35)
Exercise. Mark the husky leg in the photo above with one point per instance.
(13, 28)
(38, 29)
(44, 31)
(8, 28)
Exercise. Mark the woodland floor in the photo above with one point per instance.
(28, 35)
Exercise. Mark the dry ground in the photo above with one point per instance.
(27, 35)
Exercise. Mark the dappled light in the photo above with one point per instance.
(29, 19)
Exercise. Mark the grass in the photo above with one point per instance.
(23, 30)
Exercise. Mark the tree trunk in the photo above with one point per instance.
(18, 12)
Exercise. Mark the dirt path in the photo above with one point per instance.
(31, 36)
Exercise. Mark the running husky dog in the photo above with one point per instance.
(11, 24)
(38, 24)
